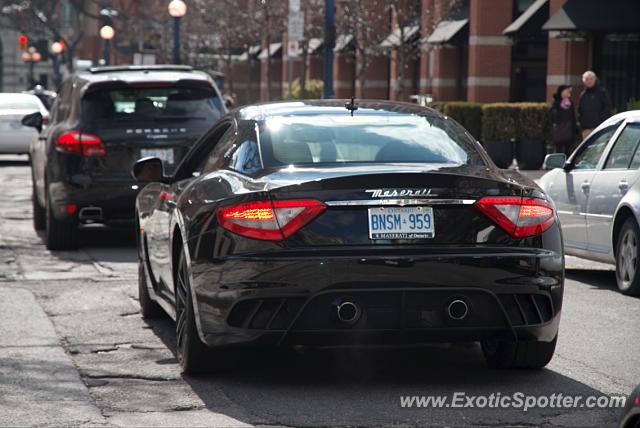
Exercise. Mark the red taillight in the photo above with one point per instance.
(81, 143)
(45, 120)
(519, 217)
(269, 220)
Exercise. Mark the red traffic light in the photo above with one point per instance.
(22, 39)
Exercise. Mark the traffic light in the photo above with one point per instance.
(23, 42)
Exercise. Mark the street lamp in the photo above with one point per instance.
(31, 57)
(177, 9)
(56, 49)
(107, 33)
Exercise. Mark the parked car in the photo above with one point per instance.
(104, 120)
(597, 194)
(308, 223)
(14, 136)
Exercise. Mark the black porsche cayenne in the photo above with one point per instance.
(308, 223)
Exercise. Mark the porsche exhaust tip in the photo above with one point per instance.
(457, 310)
(348, 312)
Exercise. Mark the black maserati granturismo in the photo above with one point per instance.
(325, 223)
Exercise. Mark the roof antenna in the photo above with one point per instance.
(351, 105)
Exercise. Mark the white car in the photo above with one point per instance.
(14, 136)
(597, 195)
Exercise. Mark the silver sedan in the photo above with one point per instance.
(14, 136)
(597, 195)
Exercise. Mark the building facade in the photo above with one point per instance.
(473, 50)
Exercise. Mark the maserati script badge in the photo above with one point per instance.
(400, 193)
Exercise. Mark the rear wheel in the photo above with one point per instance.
(627, 260)
(518, 355)
(60, 235)
(194, 356)
(39, 212)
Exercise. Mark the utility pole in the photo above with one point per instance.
(329, 45)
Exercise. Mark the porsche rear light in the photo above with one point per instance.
(269, 220)
(81, 143)
(519, 217)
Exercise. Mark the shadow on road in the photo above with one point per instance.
(317, 386)
(596, 278)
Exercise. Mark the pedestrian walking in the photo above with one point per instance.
(594, 106)
(563, 120)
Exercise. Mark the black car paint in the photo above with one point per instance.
(332, 256)
(105, 181)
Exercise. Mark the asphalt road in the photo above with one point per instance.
(75, 352)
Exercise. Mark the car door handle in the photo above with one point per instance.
(623, 186)
(585, 187)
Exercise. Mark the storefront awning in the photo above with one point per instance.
(274, 50)
(343, 42)
(252, 52)
(315, 44)
(596, 15)
(449, 32)
(531, 21)
(397, 37)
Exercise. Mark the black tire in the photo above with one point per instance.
(627, 260)
(518, 355)
(39, 212)
(60, 235)
(149, 309)
(194, 356)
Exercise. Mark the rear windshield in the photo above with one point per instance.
(18, 103)
(368, 138)
(150, 105)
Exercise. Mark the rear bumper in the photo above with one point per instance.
(115, 200)
(17, 142)
(250, 301)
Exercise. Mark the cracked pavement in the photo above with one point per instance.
(74, 351)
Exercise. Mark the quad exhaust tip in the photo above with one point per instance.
(348, 312)
(458, 310)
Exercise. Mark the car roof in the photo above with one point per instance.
(134, 74)
(260, 112)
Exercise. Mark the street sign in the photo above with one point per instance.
(294, 6)
(293, 49)
(296, 26)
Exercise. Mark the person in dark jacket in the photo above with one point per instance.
(563, 120)
(595, 105)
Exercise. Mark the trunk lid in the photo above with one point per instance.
(355, 195)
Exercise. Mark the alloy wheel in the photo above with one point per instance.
(628, 258)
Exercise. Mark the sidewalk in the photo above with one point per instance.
(39, 385)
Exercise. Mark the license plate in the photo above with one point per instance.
(165, 155)
(401, 223)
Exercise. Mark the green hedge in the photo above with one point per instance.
(313, 89)
(633, 104)
(534, 121)
(500, 121)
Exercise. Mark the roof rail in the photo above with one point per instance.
(113, 68)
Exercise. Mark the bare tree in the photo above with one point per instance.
(360, 20)
(269, 16)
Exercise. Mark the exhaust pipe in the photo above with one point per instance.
(348, 312)
(457, 310)
(90, 214)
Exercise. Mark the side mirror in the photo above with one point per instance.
(555, 160)
(33, 120)
(148, 169)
